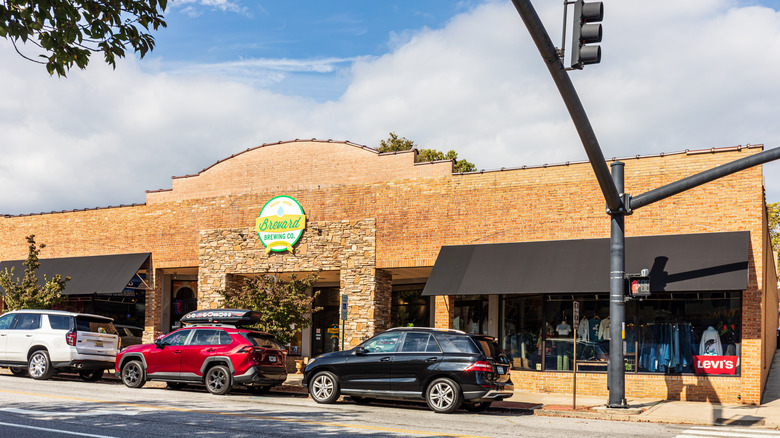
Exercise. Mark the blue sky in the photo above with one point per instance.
(227, 75)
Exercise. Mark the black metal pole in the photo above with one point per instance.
(617, 305)
(703, 177)
(572, 101)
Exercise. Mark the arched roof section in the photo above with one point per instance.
(298, 164)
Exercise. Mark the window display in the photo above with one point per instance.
(680, 333)
(471, 313)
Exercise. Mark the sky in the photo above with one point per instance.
(227, 75)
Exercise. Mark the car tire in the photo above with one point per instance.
(218, 380)
(91, 375)
(324, 387)
(19, 371)
(258, 390)
(39, 365)
(477, 406)
(443, 396)
(133, 374)
(175, 385)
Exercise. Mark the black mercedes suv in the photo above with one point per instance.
(446, 368)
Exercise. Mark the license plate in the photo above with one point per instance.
(501, 370)
(98, 343)
(271, 358)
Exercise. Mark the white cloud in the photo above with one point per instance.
(697, 73)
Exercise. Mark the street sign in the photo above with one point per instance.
(576, 315)
(344, 299)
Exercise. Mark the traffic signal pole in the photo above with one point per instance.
(619, 203)
(616, 371)
(572, 101)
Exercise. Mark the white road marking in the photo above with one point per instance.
(727, 432)
(22, 426)
(39, 413)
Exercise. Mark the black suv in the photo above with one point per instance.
(447, 368)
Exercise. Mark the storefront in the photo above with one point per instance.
(507, 253)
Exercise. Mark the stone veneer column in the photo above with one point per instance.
(369, 293)
(444, 308)
(153, 307)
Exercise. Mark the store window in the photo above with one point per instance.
(592, 335)
(471, 314)
(668, 333)
(409, 308)
(697, 333)
(521, 330)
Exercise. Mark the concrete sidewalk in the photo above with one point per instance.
(639, 409)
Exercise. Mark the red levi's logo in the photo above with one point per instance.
(715, 364)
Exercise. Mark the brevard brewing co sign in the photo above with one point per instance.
(280, 224)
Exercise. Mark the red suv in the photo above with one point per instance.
(210, 350)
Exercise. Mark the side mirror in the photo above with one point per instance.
(359, 351)
(159, 343)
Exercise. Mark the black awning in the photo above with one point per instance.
(103, 275)
(677, 263)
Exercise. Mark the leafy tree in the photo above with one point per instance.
(394, 144)
(285, 306)
(27, 293)
(773, 211)
(68, 31)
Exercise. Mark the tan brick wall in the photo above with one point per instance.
(417, 208)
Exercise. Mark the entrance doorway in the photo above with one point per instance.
(325, 323)
(183, 299)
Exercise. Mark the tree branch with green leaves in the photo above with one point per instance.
(67, 32)
(27, 292)
(394, 143)
(285, 306)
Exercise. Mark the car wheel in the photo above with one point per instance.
(91, 375)
(175, 385)
(133, 374)
(258, 390)
(19, 371)
(324, 388)
(477, 406)
(39, 365)
(219, 380)
(443, 396)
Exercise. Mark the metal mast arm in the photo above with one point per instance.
(572, 101)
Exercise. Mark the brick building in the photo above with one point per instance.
(379, 226)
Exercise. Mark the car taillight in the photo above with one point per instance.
(480, 366)
(70, 338)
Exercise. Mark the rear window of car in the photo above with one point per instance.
(94, 325)
(488, 347)
(60, 322)
(263, 340)
(454, 343)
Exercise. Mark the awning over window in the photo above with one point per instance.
(677, 263)
(104, 275)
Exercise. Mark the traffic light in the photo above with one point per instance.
(586, 30)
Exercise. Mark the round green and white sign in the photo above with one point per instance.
(280, 224)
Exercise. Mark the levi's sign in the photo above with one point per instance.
(280, 224)
(715, 364)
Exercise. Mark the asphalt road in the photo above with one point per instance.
(67, 407)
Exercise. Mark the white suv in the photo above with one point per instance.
(42, 342)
